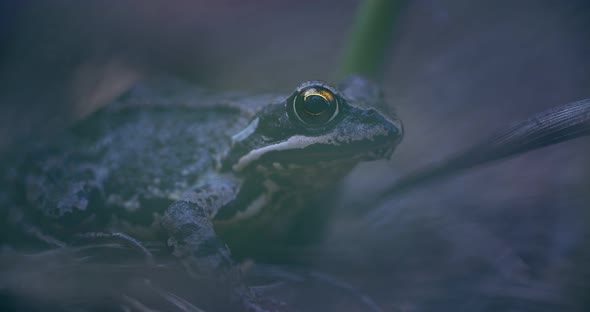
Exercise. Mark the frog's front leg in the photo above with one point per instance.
(188, 224)
(195, 243)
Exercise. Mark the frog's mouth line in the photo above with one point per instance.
(323, 153)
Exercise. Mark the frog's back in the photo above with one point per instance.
(150, 144)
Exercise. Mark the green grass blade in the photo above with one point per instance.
(370, 37)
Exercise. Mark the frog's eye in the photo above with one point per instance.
(315, 106)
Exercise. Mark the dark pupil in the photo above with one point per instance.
(315, 104)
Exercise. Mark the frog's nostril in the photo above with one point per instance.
(371, 112)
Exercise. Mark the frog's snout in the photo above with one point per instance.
(393, 129)
(388, 133)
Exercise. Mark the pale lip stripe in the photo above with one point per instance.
(294, 142)
(246, 132)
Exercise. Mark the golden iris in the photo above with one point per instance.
(315, 106)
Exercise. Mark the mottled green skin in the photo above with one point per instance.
(165, 149)
(129, 160)
(173, 164)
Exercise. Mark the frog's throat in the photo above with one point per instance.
(295, 142)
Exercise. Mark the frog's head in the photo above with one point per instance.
(318, 126)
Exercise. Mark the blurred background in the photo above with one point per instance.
(509, 237)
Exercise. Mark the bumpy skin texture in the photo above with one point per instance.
(135, 172)
(129, 160)
(170, 162)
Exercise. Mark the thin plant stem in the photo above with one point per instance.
(370, 37)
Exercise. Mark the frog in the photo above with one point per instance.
(216, 178)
